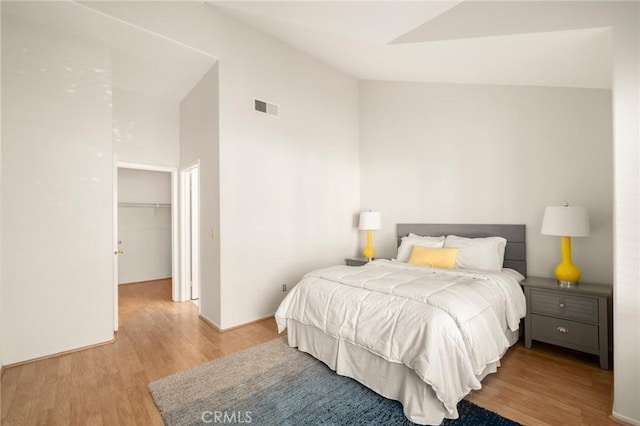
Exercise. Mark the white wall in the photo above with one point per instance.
(145, 232)
(199, 141)
(57, 194)
(146, 130)
(143, 186)
(626, 108)
(456, 153)
(289, 186)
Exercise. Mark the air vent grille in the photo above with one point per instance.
(266, 107)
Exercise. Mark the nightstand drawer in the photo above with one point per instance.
(564, 333)
(565, 306)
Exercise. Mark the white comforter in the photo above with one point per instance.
(446, 325)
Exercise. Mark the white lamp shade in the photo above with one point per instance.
(370, 221)
(566, 221)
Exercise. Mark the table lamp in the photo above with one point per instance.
(566, 221)
(369, 221)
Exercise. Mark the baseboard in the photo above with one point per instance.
(217, 328)
(70, 351)
(146, 281)
(209, 323)
(619, 419)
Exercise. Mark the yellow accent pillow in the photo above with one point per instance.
(444, 258)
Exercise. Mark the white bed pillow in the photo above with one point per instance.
(486, 254)
(407, 243)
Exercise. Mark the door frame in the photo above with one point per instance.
(176, 288)
(190, 257)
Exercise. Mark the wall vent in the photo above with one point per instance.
(266, 107)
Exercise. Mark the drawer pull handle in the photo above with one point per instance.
(562, 330)
(562, 305)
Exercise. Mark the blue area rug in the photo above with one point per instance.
(272, 384)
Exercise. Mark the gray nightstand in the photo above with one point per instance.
(356, 261)
(571, 317)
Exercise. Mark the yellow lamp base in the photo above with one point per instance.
(567, 273)
(368, 251)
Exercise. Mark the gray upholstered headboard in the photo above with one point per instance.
(515, 254)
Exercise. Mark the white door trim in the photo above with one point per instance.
(176, 290)
(195, 233)
(115, 243)
(190, 257)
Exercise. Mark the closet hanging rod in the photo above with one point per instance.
(154, 205)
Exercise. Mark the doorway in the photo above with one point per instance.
(154, 207)
(190, 227)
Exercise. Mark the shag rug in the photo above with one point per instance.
(273, 384)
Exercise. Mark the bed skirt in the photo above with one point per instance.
(391, 380)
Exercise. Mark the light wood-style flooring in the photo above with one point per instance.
(107, 385)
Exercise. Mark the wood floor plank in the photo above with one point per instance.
(107, 385)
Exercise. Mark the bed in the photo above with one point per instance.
(422, 335)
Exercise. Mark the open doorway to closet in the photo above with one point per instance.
(145, 227)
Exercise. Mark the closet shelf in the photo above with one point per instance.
(154, 205)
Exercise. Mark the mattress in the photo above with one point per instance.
(439, 332)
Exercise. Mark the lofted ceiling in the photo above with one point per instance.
(530, 43)
(543, 43)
